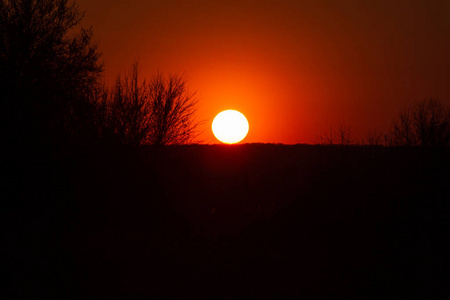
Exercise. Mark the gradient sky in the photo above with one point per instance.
(294, 68)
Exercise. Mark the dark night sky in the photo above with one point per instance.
(292, 67)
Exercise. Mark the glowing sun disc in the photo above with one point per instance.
(230, 126)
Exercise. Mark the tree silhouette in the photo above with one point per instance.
(159, 113)
(47, 67)
(330, 139)
(173, 108)
(425, 123)
(344, 134)
(130, 110)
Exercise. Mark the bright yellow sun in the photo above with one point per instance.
(230, 126)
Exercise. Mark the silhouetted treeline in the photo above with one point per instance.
(51, 83)
(425, 123)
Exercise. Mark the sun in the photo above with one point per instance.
(230, 126)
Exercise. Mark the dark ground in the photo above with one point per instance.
(248, 221)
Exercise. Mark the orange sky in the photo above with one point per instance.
(293, 68)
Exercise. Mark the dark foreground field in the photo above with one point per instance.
(247, 221)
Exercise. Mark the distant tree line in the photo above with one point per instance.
(425, 123)
(52, 91)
